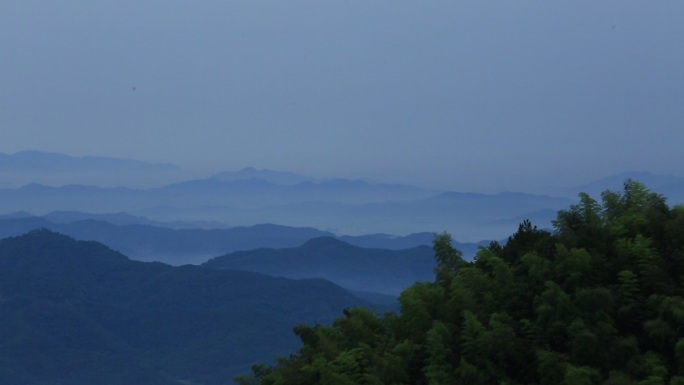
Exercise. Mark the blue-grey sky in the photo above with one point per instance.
(466, 95)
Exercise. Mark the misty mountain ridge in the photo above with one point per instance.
(172, 246)
(255, 192)
(32, 166)
(344, 207)
(355, 268)
(123, 218)
(358, 210)
(177, 246)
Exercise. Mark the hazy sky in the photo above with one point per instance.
(467, 95)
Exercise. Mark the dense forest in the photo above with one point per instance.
(598, 300)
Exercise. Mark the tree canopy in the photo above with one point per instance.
(596, 300)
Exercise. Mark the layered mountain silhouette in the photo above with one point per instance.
(76, 312)
(145, 240)
(171, 246)
(357, 209)
(249, 197)
(356, 268)
(30, 181)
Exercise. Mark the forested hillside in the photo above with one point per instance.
(77, 313)
(597, 301)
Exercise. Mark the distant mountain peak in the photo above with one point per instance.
(45, 233)
(43, 243)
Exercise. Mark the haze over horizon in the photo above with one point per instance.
(459, 96)
(60, 169)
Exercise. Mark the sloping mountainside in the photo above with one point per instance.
(356, 268)
(76, 312)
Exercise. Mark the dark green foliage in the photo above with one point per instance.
(597, 301)
(448, 259)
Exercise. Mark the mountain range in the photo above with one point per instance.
(76, 312)
(344, 208)
(180, 243)
(250, 197)
(276, 249)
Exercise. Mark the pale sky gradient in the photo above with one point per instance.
(465, 95)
